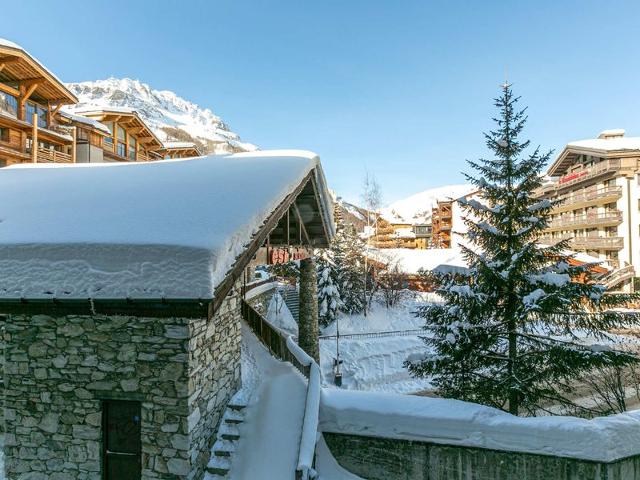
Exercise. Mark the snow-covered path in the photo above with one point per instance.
(270, 434)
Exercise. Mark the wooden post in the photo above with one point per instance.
(308, 316)
(74, 135)
(34, 139)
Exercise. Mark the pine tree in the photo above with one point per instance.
(508, 332)
(328, 295)
(347, 254)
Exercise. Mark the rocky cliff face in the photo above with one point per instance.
(171, 117)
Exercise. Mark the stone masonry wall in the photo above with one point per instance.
(214, 376)
(59, 369)
(382, 459)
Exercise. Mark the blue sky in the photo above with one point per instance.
(400, 88)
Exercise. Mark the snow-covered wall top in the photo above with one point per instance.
(417, 208)
(453, 422)
(156, 229)
(160, 109)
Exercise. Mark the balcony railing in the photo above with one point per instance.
(586, 243)
(46, 155)
(569, 201)
(580, 176)
(587, 220)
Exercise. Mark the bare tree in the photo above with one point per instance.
(612, 388)
(372, 199)
(392, 283)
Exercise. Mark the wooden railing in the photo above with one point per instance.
(46, 155)
(284, 348)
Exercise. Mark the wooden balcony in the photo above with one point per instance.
(53, 156)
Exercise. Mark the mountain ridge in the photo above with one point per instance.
(170, 116)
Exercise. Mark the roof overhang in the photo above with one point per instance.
(130, 119)
(17, 65)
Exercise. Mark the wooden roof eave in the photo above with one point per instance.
(41, 75)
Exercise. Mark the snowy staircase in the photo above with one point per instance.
(289, 293)
(226, 441)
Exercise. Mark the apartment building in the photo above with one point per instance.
(30, 98)
(441, 224)
(596, 185)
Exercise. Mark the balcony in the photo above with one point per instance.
(589, 198)
(46, 155)
(586, 221)
(580, 176)
(587, 243)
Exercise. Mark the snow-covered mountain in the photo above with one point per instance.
(171, 117)
(417, 207)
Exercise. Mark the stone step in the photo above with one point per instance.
(219, 465)
(229, 431)
(223, 448)
(233, 417)
(237, 406)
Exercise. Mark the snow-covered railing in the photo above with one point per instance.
(284, 347)
(387, 333)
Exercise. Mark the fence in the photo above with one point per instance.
(389, 333)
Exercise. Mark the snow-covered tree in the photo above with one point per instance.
(511, 331)
(347, 253)
(328, 294)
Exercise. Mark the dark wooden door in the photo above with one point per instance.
(121, 440)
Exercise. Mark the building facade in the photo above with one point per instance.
(596, 186)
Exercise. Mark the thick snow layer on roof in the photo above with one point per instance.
(86, 120)
(608, 144)
(160, 229)
(412, 260)
(453, 422)
(105, 109)
(179, 145)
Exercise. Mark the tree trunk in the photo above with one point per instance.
(308, 316)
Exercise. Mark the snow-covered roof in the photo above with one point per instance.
(5, 43)
(410, 261)
(168, 229)
(86, 120)
(608, 142)
(179, 145)
(97, 108)
(416, 209)
(454, 422)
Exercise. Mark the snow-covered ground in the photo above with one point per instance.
(377, 364)
(270, 435)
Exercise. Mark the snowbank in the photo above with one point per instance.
(453, 422)
(159, 229)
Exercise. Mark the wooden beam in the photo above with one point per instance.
(11, 91)
(34, 139)
(27, 82)
(28, 92)
(74, 135)
(258, 240)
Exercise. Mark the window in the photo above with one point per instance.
(122, 149)
(8, 104)
(122, 135)
(82, 134)
(109, 125)
(4, 134)
(42, 117)
(29, 111)
(132, 148)
(121, 440)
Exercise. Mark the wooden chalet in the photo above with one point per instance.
(30, 98)
(130, 139)
(180, 150)
(442, 219)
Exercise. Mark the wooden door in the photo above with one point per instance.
(121, 440)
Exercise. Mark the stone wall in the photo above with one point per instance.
(59, 369)
(382, 459)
